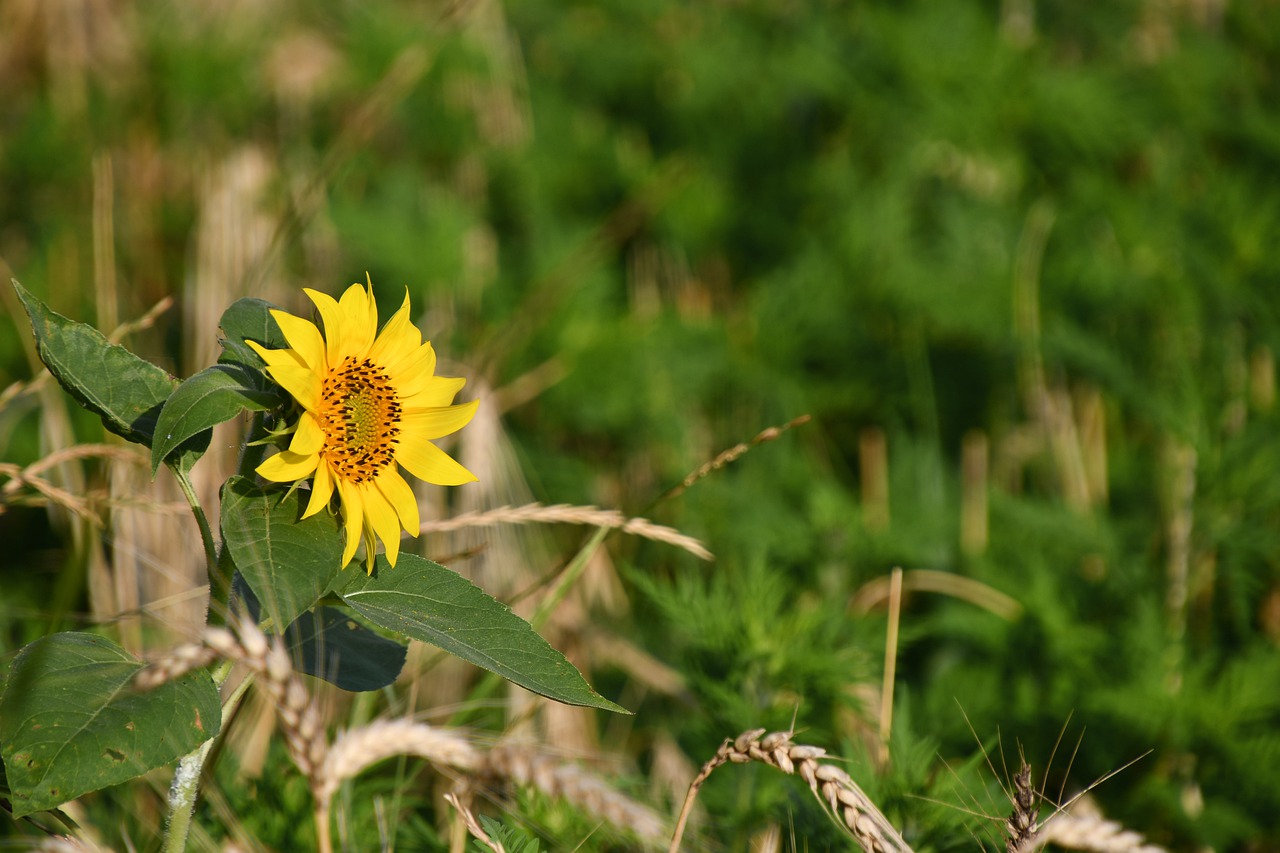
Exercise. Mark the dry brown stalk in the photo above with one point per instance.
(525, 765)
(568, 514)
(830, 784)
(463, 807)
(30, 476)
(734, 453)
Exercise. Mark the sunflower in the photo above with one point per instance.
(371, 403)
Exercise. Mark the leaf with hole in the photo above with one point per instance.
(428, 602)
(71, 721)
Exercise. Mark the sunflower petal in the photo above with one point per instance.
(431, 464)
(309, 437)
(287, 466)
(352, 517)
(400, 497)
(302, 384)
(334, 327)
(413, 368)
(304, 338)
(360, 319)
(276, 357)
(418, 424)
(321, 491)
(439, 391)
(398, 338)
(382, 518)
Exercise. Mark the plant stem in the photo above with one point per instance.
(186, 780)
(568, 578)
(219, 586)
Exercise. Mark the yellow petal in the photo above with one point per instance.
(321, 491)
(301, 383)
(382, 518)
(429, 463)
(309, 437)
(287, 466)
(398, 338)
(331, 315)
(413, 369)
(439, 391)
(418, 424)
(304, 338)
(277, 357)
(400, 497)
(359, 319)
(352, 517)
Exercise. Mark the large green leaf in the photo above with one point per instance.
(70, 721)
(213, 395)
(428, 602)
(287, 560)
(108, 380)
(331, 645)
(248, 319)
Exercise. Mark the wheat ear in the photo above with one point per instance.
(569, 514)
(830, 784)
(355, 750)
(1090, 833)
(268, 659)
(525, 765)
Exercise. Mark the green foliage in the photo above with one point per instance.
(287, 560)
(71, 722)
(424, 600)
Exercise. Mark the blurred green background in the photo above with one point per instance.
(1016, 259)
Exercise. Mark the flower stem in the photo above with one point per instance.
(186, 780)
(219, 586)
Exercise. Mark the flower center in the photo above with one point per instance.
(360, 416)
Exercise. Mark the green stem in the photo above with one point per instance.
(219, 586)
(186, 780)
(568, 578)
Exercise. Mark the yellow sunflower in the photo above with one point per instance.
(371, 402)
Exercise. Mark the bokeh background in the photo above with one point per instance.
(1017, 260)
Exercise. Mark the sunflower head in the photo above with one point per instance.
(370, 403)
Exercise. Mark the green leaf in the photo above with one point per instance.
(250, 319)
(108, 380)
(287, 560)
(333, 646)
(428, 602)
(70, 721)
(213, 395)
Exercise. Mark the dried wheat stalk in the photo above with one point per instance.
(830, 784)
(568, 514)
(269, 659)
(732, 454)
(1074, 832)
(462, 804)
(355, 750)
(1090, 833)
(525, 765)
